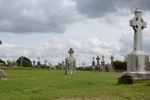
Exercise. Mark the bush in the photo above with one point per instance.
(26, 62)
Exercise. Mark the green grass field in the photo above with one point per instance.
(45, 84)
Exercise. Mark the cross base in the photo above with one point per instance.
(133, 77)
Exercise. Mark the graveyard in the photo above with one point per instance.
(118, 79)
(44, 84)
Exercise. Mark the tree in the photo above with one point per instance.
(24, 62)
(119, 65)
(2, 62)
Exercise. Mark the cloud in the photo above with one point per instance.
(101, 8)
(26, 16)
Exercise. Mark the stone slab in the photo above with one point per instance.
(3, 75)
(133, 77)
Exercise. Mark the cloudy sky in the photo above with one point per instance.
(48, 28)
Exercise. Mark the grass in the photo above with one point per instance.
(45, 84)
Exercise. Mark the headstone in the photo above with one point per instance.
(137, 61)
(98, 64)
(109, 68)
(93, 64)
(3, 75)
(70, 63)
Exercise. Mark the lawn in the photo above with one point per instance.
(45, 84)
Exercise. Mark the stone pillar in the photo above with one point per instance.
(137, 60)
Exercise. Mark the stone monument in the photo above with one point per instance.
(110, 67)
(98, 64)
(137, 61)
(70, 63)
(3, 75)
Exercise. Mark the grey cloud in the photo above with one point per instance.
(100, 8)
(25, 16)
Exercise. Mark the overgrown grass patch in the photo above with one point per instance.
(45, 84)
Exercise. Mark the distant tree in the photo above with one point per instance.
(1, 61)
(120, 65)
(24, 62)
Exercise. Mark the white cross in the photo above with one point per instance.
(138, 25)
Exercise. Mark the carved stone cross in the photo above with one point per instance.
(71, 51)
(138, 25)
(98, 60)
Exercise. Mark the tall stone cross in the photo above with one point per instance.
(138, 25)
(98, 60)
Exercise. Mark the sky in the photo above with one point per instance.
(49, 28)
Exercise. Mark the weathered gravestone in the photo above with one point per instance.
(137, 61)
(3, 75)
(70, 63)
(110, 67)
